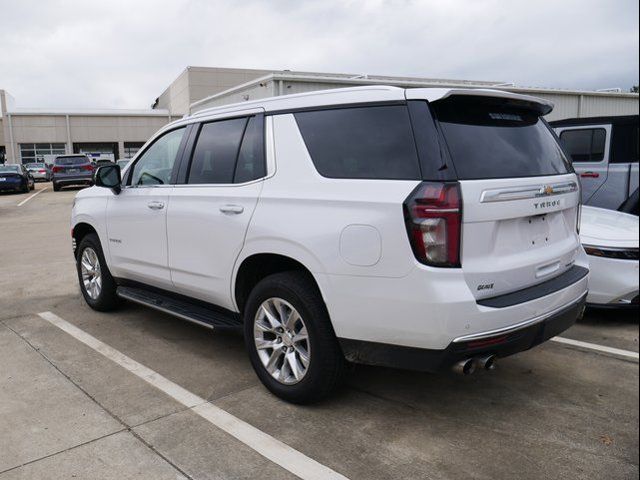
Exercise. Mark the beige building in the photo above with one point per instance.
(28, 135)
(568, 103)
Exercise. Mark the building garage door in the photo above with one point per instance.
(98, 150)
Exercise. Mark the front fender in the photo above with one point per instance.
(92, 211)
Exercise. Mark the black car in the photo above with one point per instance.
(15, 178)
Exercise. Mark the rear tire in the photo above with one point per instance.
(292, 293)
(89, 260)
(56, 187)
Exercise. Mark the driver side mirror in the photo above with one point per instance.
(108, 176)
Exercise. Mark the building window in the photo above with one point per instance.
(131, 148)
(35, 152)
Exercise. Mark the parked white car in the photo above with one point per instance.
(610, 239)
(421, 228)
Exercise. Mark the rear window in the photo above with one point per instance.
(494, 138)
(71, 160)
(363, 142)
(9, 169)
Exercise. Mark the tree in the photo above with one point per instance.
(634, 89)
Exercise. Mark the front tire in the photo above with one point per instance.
(96, 283)
(291, 343)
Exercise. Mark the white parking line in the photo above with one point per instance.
(263, 443)
(31, 196)
(598, 348)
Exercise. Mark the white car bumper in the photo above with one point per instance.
(612, 282)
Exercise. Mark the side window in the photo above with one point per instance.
(214, 156)
(625, 143)
(584, 145)
(251, 161)
(361, 142)
(155, 165)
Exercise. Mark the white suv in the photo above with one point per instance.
(418, 228)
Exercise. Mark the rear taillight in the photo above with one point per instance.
(56, 169)
(433, 215)
(88, 167)
(42, 171)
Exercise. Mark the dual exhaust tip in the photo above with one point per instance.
(470, 365)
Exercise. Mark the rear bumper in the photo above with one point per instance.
(501, 342)
(73, 180)
(11, 186)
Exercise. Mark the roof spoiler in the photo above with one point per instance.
(540, 105)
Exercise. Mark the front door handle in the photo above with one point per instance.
(232, 209)
(589, 174)
(155, 205)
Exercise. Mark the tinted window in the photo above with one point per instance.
(434, 161)
(9, 169)
(214, 156)
(251, 164)
(71, 160)
(365, 142)
(625, 143)
(493, 138)
(155, 165)
(584, 145)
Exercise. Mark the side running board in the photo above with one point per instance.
(192, 311)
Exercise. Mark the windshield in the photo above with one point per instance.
(71, 160)
(35, 166)
(493, 138)
(9, 168)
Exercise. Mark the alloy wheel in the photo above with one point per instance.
(91, 274)
(282, 341)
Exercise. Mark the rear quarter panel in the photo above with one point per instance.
(333, 226)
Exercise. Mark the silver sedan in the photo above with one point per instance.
(39, 171)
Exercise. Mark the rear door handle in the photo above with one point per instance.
(589, 174)
(155, 205)
(232, 209)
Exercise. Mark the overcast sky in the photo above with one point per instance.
(122, 54)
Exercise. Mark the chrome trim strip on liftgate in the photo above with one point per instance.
(529, 191)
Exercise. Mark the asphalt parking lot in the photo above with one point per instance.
(71, 407)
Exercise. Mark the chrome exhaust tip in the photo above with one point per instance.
(487, 363)
(465, 367)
